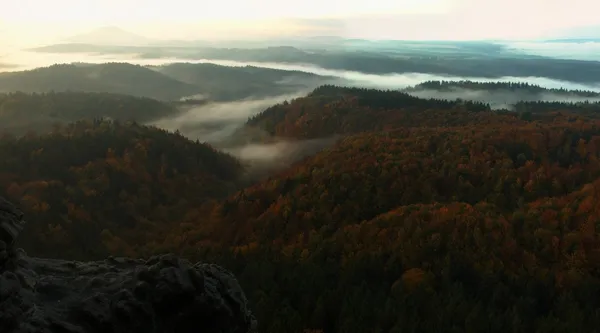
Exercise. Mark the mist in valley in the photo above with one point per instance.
(396, 80)
(220, 123)
(222, 126)
(30, 60)
(586, 50)
(264, 159)
(501, 99)
(215, 123)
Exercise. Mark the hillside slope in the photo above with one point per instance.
(221, 83)
(491, 227)
(426, 216)
(167, 82)
(94, 186)
(332, 109)
(20, 112)
(119, 78)
(329, 109)
(500, 95)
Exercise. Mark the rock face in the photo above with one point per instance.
(162, 294)
(11, 222)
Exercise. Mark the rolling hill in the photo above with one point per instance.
(461, 59)
(168, 82)
(425, 216)
(93, 185)
(330, 109)
(339, 110)
(500, 95)
(221, 83)
(21, 112)
(119, 78)
(109, 35)
(517, 88)
(387, 226)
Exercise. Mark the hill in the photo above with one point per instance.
(109, 36)
(426, 216)
(375, 172)
(20, 112)
(500, 95)
(167, 82)
(513, 87)
(120, 78)
(93, 186)
(489, 226)
(339, 110)
(222, 83)
(460, 59)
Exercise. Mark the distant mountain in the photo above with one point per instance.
(222, 83)
(130, 161)
(573, 40)
(109, 36)
(584, 34)
(20, 112)
(119, 78)
(4, 65)
(499, 95)
(168, 82)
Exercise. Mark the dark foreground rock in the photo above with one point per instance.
(162, 294)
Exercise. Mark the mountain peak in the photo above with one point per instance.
(109, 35)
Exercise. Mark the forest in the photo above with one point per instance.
(426, 215)
(510, 86)
(166, 83)
(21, 113)
(462, 59)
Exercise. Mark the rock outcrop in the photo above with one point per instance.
(162, 294)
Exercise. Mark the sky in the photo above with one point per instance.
(34, 22)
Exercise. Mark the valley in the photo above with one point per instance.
(350, 186)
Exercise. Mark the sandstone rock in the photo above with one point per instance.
(162, 294)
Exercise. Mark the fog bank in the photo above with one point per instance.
(559, 50)
(215, 122)
(501, 99)
(28, 60)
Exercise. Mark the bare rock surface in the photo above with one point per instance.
(162, 294)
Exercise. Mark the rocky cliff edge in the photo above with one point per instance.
(162, 294)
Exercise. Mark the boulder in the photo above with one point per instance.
(162, 294)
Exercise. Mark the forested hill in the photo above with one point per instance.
(426, 216)
(488, 227)
(168, 82)
(21, 112)
(340, 110)
(330, 109)
(589, 109)
(493, 86)
(121, 78)
(100, 187)
(222, 83)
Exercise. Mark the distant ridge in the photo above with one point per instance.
(573, 40)
(110, 35)
(582, 34)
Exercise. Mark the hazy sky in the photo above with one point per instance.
(44, 21)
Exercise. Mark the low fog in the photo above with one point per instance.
(220, 124)
(560, 50)
(500, 99)
(265, 159)
(28, 60)
(214, 123)
(399, 81)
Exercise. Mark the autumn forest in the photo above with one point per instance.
(417, 215)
